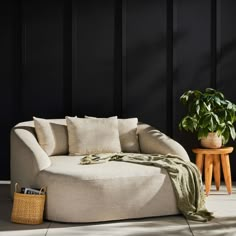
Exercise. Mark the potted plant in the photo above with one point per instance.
(209, 114)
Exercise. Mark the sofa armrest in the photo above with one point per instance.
(153, 141)
(27, 156)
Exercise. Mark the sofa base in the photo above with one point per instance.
(105, 192)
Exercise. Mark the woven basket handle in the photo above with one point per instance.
(43, 190)
(17, 186)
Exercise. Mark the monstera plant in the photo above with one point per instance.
(209, 114)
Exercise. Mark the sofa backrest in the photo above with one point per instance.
(150, 139)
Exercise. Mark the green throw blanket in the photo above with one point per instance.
(185, 178)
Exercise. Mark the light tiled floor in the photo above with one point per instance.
(224, 208)
(222, 204)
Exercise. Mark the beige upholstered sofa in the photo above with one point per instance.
(92, 193)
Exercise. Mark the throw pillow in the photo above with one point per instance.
(91, 136)
(128, 134)
(52, 136)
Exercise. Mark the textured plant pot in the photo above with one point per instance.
(211, 141)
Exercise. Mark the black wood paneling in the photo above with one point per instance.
(67, 57)
(213, 43)
(146, 61)
(169, 67)
(93, 57)
(118, 104)
(119, 57)
(192, 57)
(124, 58)
(227, 49)
(226, 59)
(42, 59)
(9, 78)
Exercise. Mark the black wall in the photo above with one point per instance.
(112, 57)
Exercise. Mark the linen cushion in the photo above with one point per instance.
(91, 136)
(52, 136)
(128, 134)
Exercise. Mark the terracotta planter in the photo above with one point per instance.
(211, 141)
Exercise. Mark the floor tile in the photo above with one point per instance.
(5, 192)
(7, 228)
(223, 206)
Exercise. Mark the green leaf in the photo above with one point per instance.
(212, 125)
(226, 136)
(202, 133)
(229, 123)
(210, 90)
(198, 109)
(216, 118)
(186, 96)
(188, 123)
(229, 105)
(205, 120)
(206, 107)
(232, 133)
(218, 101)
(184, 99)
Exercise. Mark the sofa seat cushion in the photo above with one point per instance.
(108, 191)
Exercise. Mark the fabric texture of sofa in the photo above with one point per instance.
(93, 193)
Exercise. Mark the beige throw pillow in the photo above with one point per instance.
(52, 136)
(91, 136)
(128, 134)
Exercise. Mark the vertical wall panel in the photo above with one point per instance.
(169, 67)
(67, 57)
(118, 59)
(9, 80)
(192, 57)
(93, 57)
(227, 50)
(226, 80)
(146, 61)
(42, 59)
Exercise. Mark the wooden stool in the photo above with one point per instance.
(213, 158)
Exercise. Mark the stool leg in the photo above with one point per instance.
(227, 172)
(216, 170)
(199, 161)
(208, 172)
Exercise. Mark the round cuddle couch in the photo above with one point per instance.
(99, 192)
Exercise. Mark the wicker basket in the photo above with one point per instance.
(28, 209)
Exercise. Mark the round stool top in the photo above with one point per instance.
(224, 150)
